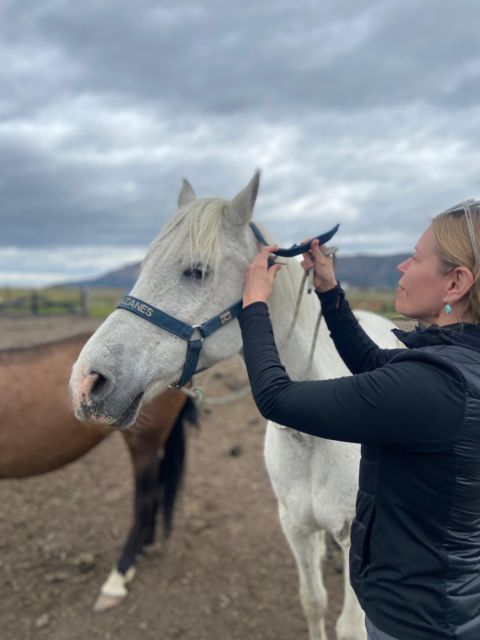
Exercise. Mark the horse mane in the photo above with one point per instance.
(197, 226)
(18, 354)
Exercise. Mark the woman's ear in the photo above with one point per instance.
(461, 282)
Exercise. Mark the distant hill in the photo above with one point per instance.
(378, 272)
(122, 278)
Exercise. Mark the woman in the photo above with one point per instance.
(415, 556)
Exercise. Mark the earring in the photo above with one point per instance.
(448, 309)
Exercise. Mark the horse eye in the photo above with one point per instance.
(196, 272)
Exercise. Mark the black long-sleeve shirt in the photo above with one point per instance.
(383, 404)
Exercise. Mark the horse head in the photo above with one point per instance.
(192, 271)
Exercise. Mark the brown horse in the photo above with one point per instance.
(39, 433)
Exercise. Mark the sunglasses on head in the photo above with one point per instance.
(466, 208)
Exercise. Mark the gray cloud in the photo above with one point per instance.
(218, 58)
(363, 112)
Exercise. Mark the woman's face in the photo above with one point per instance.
(422, 288)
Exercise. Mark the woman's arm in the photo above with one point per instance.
(358, 351)
(387, 406)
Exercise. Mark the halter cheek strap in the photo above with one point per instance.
(188, 331)
(182, 329)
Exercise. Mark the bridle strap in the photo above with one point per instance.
(173, 325)
(206, 329)
(258, 234)
(191, 362)
(156, 316)
(182, 329)
(209, 327)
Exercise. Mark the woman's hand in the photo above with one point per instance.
(260, 277)
(324, 276)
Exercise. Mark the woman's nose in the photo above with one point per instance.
(403, 266)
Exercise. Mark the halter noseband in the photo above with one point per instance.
(196, 334)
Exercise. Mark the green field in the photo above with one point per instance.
(96, 303)
(377, 300)
(99, 302)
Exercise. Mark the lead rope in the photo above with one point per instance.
(314, 344)
(198, 394)
(329, 251)
(297, 308)
(306, 275)
(201, 399)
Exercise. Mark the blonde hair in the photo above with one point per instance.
(454, 248)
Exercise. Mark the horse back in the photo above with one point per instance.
(38, 431)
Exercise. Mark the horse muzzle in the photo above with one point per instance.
(94, 400)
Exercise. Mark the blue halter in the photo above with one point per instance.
(196, 334)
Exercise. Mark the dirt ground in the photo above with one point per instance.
(226, 573)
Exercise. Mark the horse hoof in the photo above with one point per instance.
(104, 602)
(114, 590)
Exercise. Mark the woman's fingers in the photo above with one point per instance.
(260, 276)
(316, 249)
(313, 256)
(264, 255)
(261, 259)
(307, 262)
(267, 250)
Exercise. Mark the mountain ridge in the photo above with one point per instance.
(376, 272)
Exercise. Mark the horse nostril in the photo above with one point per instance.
(102, 386)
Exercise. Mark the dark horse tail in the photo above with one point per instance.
(172, 465)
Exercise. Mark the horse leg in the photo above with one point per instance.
(168, 477)
(308, 549)
(114, 590)
(351, 622)
(157, 481)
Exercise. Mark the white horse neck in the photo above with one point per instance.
(295, 351)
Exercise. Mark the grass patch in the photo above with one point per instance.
(99, 302)
(94, 302)
(381, 301)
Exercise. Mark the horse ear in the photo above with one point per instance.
(240, 209)
(187, 194)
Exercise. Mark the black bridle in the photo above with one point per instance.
(196, 334)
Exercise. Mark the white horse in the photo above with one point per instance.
(193, 270)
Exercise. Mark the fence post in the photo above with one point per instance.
(34, 304)
(85, 301)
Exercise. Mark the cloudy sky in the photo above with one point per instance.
(363, 112)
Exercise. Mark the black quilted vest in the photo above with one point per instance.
(415, 555)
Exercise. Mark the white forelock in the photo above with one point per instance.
(197, 228)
